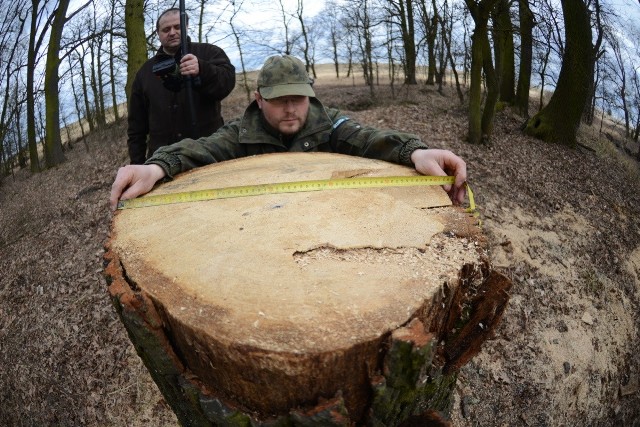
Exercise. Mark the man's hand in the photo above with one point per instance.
(189, 65)
(133, 181)
(442, 163)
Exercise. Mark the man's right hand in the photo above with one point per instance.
(133, 181)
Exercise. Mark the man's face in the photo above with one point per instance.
(169, 32)
(288, 114)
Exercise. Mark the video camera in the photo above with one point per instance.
(169, 71)
(166, 67)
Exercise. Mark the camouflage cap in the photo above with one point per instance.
(284, 75)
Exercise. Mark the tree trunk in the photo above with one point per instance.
(493, 91)
(559, 120)
(31, 109)
(589, 106)
(243, 68)
(53, 142)
(95, 80)
(309, 61)
(136, 39)
(526, 55)
(481, 122)
(441, 48)
(403, 11)
(112, 67)
(446, 38)
(363, 24)
(77, 104)
(285, 23)
(9, 102)
(315, 308)
(201, 10)
(85, 93)
(504, 51)
(430, 24)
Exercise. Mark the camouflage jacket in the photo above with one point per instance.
(325, 129)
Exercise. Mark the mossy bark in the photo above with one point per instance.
(559, 120)
(136, 39)
(481, 120)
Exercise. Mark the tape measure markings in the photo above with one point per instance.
(290, 187)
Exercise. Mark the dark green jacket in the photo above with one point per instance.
(326, 129)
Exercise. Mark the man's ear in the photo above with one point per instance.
(258, 98)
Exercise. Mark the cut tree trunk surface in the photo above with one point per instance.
(288, 305)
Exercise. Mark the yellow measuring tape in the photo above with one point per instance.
(291, 187)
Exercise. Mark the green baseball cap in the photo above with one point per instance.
(283, 75)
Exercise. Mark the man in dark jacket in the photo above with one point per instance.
(159, 111)
(286, 116)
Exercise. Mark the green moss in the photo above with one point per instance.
(411, 385)
(151, 349)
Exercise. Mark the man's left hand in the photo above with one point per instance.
(442, 163)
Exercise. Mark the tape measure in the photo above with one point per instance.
(291, 187)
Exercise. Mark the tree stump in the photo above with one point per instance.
(339, 307)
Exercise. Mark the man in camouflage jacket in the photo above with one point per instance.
(286, 116)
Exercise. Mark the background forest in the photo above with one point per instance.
(64, 61)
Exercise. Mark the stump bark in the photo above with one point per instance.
(343, 307)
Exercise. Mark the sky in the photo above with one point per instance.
(268, 17)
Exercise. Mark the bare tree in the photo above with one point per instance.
(347, 25)
(53, 143)
(428, 19)
(391, 62)
(621, 74)
(285, 23)
(635, 80)
(360, 21)
(329, 20)
(35, 42)
(401, 13)
(559, 120)
(447, 37)
(237, 35)
(95, 76)
(504, 50)
(90, 114)
(76, 99)
(306, 47)
(481, 120)
(521, 101)
(596, 51)
(202, 5)
(136, 40)
(112, 60)
(11, 29)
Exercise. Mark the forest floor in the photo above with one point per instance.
(561, 223)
